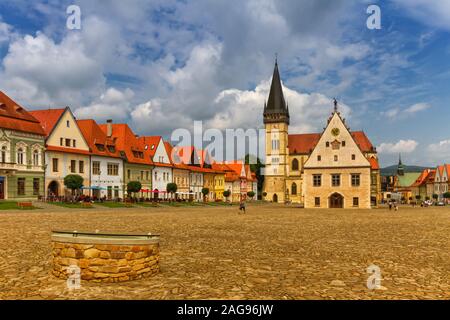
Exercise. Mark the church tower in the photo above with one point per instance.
(276, 122)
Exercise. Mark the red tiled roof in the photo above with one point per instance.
(431, 176)
(420, 179)
(127, 142)
(95, 136)
(48, 118)
(305, 143)
(150, 143)
(15, 117)
(66, 150)
(374, 165)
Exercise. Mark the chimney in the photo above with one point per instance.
(109, 128)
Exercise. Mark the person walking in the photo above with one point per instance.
(242, 206)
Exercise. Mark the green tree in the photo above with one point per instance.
(418, 197)
(205, 192)
(447, 195)
(133, 187)
(435, 196)
(251, 194)
(256, 168)
(427, 198)
(226, 194)
(171, 188)
(73, 182)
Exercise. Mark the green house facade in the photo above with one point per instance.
(21, 152)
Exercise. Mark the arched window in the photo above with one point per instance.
(294, 189)
(35, 158)
(3, 155)
(20, 156)
(294, 165)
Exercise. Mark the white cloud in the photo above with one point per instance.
(39, 72)
(113, 104)
(433, 13)
(402, 146)
(395, 113)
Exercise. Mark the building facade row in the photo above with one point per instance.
(38, 149)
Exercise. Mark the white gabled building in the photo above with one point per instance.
(106, 163)
(162, 173)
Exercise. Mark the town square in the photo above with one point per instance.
(271, 252)
(224, 150)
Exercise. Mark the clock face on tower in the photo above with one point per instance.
(335, 132)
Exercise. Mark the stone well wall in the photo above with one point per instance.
(99, 261)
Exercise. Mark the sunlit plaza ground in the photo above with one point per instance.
(271, 252)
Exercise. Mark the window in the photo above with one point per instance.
(112, 149)
(113, 169)
(356, 180)
(3, 154)
(55, 164)
(335, 158)
(319, 158)
(156, 175)
(356, 202)
(100, 147)
(109, 188)
(353, 157)
(373, 178)
(327, 144)
(36, 185)
(96, 167)
(343, 143)
(73, 165)
(116, 192)
(20, 156)
(68, 124)
(275, 144)
(20, 186)
(317, 180)
(81, 166)
(35, 158)
(74, 143)
(142, 175)
(61, 141)
(317, 201)
(294, 189)
(128, 174)
(146, 175)
(275, 160)
(67, 142)
(294, 165)
(335, 180)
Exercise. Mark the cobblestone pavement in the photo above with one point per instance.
(272, 252)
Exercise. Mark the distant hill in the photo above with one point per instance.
(392, 170)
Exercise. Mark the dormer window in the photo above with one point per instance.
(112, 149)
(152, 147)
(100, 147)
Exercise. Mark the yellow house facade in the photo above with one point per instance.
(66, 150)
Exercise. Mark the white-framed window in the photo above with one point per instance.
(20, 155)
(35, 157)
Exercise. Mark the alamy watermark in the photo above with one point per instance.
(73, 21)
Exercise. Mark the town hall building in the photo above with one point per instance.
(336, 168)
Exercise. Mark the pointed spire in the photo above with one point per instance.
(335, 105)
(400, 159)
(276, 109)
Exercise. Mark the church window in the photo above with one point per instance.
(356, 202)
(317, 180)
(335, 158)
(294, 189)
(294, 165)
(335, 180)
(356, 180)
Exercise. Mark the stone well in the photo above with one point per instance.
(105, 257)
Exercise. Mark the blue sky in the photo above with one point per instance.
(160, 65)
